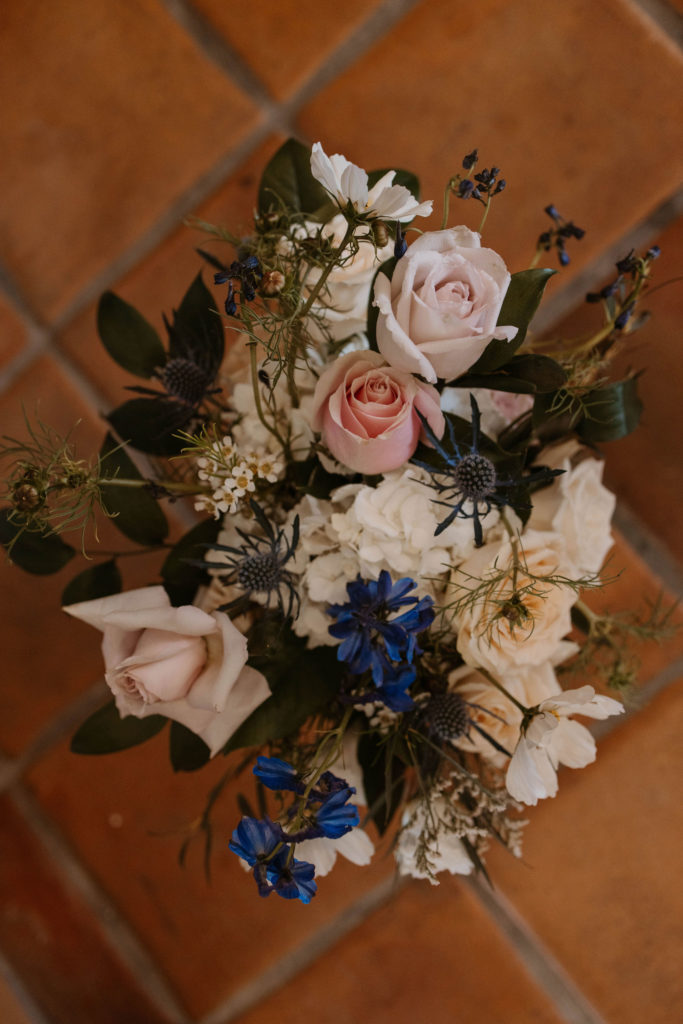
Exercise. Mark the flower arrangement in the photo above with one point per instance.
(398, 505)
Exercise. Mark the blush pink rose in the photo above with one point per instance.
(367, 412)
(440, 309)
(182, 663)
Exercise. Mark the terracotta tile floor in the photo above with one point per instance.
(125, 119)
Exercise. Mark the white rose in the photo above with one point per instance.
(343, 303)
(500, 636)
(178, 662)
(439, 311)
(578, 506)
(495, 713)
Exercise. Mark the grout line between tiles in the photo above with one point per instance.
(60, 726)
(116, 931)
(273, 978)
(570, 1003)
(665, 17)
(21, 993)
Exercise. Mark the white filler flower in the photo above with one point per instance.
(348, 183)
(551, 740)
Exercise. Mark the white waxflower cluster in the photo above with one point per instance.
(232, 475)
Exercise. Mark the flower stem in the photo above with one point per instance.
(487, 675)
(257, 398)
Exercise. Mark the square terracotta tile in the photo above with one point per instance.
(11, 1010)
(53, 942)
(111, 113)
(126, 816)
(565, 112)
(598, 882)
(158, 283)
(286, 42)
(431, 956)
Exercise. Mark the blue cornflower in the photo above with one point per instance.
(277, 774)
(468, 482)
(369, 639)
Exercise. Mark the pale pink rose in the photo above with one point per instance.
(367, 412)
(439, 311)
(178, 662)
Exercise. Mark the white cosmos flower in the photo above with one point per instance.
(551, 740)
(348, 183)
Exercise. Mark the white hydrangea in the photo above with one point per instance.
(363, 530)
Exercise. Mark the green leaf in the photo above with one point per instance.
(612, 412)
(287, 181)
(387, 269)
(405, 178)
(188, 751)
(382, 774)
(310, 477)
(197, 327)
(524, 375)
(135, 512)
(149, 424)
(129, 339)
(38, 553)
(519, 306)
(302, 685)
(106, 732)
(99, 581)
(182, 580)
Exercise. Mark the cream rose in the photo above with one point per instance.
(343, 304)
(178, 662)
(368, 412)
(500, 634)
(439, 311)
(578, 506)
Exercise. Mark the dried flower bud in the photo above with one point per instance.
(26, 498)
(380, 233)
(272, 282)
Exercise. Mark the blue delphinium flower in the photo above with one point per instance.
(277, 774)
(335, 817)
(275, 870)
(369, 639)
(393, 692)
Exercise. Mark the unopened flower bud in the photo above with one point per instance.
(272, 282)
(26, 497)
(380, 233)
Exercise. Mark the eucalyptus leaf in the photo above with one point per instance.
(188, 751)
(387, 268)
(525, 375)
(287, 181)
(521, 301)
(129, 339)
(382, 774)
(99, 581)
(105, 732)
(39, 553)
(181, 579)
(301, 688)
(611, 412)
(149, 424)
(133, 509)
(197, 332)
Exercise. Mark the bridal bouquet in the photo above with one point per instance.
(398, 506)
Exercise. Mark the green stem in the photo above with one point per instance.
(175, 486)
(320, 283)
(447, 203)
(257, 398)
(537, 258)
(485, 214)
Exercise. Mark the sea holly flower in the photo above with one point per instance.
(550, 740)
(348, 184)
